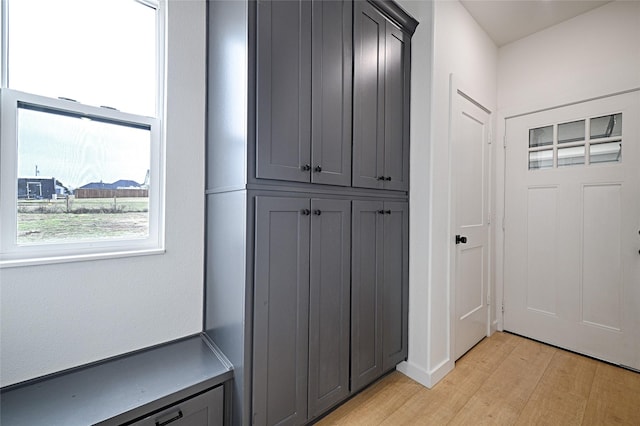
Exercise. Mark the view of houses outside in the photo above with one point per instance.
(78, 178)
(92, 185)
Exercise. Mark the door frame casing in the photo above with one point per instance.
(457, 87)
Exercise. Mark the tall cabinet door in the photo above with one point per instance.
(329, 307)
(368, 96)
(283, 118)
(382, 66)
(397, 95)
(396, 283)
(281, 303)
(366, 292)
(331, 92)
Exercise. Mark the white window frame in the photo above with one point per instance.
(11, 253)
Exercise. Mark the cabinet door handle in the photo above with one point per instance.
(380, 211)
(305, 168)
(387, 212)
(305, 212)
(318, 169)
(380, 178)
(317, 212)
(175, 417)
(388, 178)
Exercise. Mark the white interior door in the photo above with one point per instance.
(470, 148)
(572, 223)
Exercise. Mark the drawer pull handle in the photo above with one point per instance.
(171, 420)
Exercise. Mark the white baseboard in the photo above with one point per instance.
(425, 378)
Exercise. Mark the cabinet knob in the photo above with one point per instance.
(305, 212)
(380, 211)
(317, 212)
(305, 168)
(387, 212)
(388, 178)
(317, 169)
(380, 178)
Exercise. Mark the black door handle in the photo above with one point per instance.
(305, 168)
(461, 239)
(305, 212)
(317, 169)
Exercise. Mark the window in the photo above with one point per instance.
(81, 149)
(581, 142)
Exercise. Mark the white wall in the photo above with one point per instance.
(421, 63)
(594, 54)
(460, 47)
(591, 55)
(55, 317)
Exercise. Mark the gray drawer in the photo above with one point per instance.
(206, 409)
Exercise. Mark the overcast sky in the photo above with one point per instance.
(99, 52)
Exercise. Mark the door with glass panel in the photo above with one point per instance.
(572, 227)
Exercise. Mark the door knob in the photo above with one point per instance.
(461, 239)
(305, 168)
(305, 212)
(317, 169)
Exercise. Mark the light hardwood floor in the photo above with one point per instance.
(504, 380)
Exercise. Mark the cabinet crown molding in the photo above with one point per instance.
(397, 14)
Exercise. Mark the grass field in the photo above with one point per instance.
(44, 221)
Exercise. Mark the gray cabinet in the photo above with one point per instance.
(184, 382)
(395, 284)
(301, 343)
(379, 289)
(304, 69)
(281, 320)
(329, 314)
(308, 108)
(381, 101)
(205, 409)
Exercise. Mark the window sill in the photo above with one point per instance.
(16, 263)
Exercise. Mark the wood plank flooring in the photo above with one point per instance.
(504, 380)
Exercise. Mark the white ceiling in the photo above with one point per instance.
(509, 20)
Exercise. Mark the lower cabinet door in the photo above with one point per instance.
(329, 307)
(281, 306)
(396, 284)
(206, 409)
(366, 293)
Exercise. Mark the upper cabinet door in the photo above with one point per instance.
(283, 90)
(368, 96)
(396, 129)
(331, 92)
(381, 102)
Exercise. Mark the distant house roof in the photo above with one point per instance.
(44, 178)
(122, 183)
(36, 177)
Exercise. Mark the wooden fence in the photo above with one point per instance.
(111, 193)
